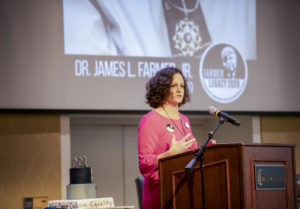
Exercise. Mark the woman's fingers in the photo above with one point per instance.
(173, 138)
(185, 137)
(189, 143)
(181, 145)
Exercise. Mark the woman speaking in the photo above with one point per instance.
(164, 131)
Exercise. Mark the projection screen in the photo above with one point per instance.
(99, 54)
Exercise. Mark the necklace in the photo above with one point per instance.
(180, 130)
(184, 8)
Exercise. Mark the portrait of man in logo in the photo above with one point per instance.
(229, 60)
(223, 73)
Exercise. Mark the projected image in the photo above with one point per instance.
(158, 28)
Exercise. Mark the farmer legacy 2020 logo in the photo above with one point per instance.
(223, 73)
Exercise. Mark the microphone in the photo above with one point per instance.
(214, 111)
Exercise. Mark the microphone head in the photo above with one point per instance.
(237, 123)
(212, 110)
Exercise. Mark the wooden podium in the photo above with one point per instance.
(236, 176)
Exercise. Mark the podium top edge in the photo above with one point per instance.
(231, 144)
(253, 144)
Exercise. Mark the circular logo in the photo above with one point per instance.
(223, 73)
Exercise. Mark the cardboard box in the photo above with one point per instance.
(35, 202)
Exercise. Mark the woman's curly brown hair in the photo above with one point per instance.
(158, 87)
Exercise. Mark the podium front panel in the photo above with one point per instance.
(229, 178)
